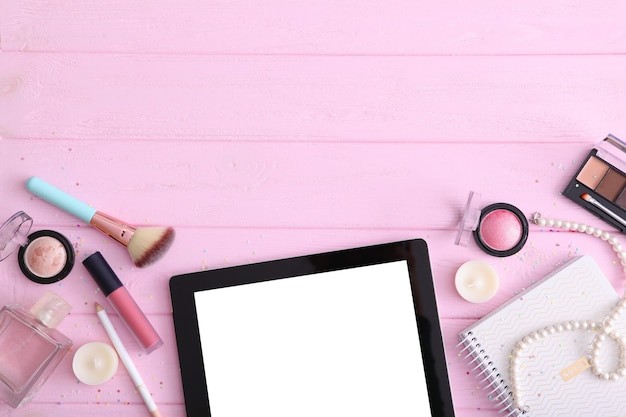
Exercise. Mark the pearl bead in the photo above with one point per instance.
(613, 240)
(605, 236)
(567, 225)
(617, 247)
(541, 222)
(582, 228)
(590, 230)
(573, 226)
(558, 223)
(550, 222)
(597, 232)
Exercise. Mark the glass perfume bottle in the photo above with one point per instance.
(30, 347)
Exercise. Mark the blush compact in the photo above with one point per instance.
(44, 256)
(499, 229)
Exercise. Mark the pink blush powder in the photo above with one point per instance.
(45, 257)
(501, 230)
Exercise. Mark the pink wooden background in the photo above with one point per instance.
(263, 130)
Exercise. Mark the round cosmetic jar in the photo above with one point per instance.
(499, 229)
(44, 256)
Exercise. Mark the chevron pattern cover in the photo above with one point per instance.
(578, 290)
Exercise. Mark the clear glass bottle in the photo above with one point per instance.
(30, 347)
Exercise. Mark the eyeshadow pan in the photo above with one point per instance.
(501, 230)
(621, 200)
(47, 257)
(612, 185)
(592, 172)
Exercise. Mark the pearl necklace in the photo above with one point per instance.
(603, 328)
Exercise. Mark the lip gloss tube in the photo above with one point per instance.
(122, 302)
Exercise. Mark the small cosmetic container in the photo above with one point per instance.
(30, 347)
(599, 185)
(122, 302)
(44, 256)
(499, 229)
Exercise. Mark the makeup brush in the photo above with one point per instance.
(145, 245)
(591, 200)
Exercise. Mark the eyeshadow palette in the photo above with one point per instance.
(600, 184)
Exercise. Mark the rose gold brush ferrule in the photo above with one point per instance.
(113, 227)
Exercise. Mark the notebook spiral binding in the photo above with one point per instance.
(497, 386)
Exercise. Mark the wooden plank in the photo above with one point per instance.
(90, 408)
(312, 185)
(322, 27)
(196, 250)
(118, 396)
(328, 99)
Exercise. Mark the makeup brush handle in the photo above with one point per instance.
(60, 199)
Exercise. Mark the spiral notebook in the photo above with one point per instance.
(552, 383)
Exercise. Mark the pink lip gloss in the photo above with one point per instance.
(122, 302)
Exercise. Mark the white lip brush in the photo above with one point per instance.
(589, 199)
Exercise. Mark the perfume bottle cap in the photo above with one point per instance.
(51, 309)
(13, 233)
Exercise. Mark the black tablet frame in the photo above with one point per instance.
(415, 252)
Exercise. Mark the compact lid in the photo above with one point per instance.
(612, 150)
(13, 233)
(51, 309)
(471, 217)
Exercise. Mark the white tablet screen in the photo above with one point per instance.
(340, 343)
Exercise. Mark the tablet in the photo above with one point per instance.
(346, 333)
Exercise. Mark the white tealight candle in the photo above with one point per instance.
(95, 363)
(476, 281)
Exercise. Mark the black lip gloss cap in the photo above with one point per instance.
(102, 273)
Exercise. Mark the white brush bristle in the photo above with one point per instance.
(149, 244)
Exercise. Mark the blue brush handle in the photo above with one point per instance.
(60, 199)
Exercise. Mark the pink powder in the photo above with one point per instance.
(501, 230)
(45, 257)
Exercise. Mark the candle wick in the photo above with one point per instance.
(472, 283)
